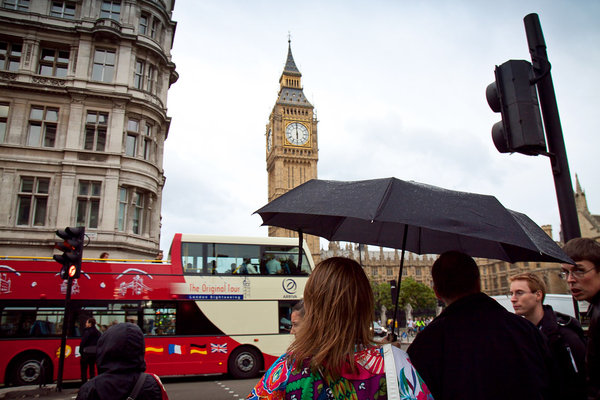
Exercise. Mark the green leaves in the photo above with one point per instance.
(418, 295)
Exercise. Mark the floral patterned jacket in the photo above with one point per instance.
(283, 381)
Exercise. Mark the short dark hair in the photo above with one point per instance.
(299, 306)
(91, 321)
(580, 249)
(455, 274)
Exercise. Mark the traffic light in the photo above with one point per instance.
(72, 248)
(394, 289)
(514, 95)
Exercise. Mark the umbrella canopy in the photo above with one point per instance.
(379, 212)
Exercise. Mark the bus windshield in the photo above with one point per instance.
(241, 259)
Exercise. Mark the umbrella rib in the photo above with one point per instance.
(384, 199)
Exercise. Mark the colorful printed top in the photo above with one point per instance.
(283, 381)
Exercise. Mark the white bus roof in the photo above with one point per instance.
(261, 240)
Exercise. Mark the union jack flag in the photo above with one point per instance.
(218, 348)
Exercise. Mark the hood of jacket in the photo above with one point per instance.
(121, 349)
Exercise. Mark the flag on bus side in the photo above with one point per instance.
(218, 348)
(198, 348)
(175, 349)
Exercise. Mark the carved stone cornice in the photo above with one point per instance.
(8, 76)
(42, 80)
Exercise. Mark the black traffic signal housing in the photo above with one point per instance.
(514, 95)
(72, 248)
(393, 289)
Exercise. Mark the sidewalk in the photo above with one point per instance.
(47, 392)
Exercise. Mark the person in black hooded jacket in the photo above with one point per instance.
(120, 358)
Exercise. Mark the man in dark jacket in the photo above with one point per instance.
(584, 282)
(120, 362)
(476, 349)
(87, 349)
(565, 336)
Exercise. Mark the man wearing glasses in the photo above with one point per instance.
(584, 281)
(565, 336)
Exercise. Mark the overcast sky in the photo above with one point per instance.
(398, 88)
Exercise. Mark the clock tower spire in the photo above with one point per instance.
(291, 142)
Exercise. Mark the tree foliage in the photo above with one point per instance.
(418, 295)
(383, 295)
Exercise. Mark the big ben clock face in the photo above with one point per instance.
(296, 133)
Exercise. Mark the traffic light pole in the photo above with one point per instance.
(63, 337)
(554, 135)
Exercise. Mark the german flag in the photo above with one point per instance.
(198, 348)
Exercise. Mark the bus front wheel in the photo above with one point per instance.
(244, 362)
(31, 369)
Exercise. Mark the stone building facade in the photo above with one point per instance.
(383, 265)
(83, 120)
(495, 274)
(588, 222)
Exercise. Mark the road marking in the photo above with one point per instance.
(225, 387)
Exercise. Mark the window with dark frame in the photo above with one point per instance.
(148, 142)
(122, 216)
(103, 69)
(138, 74)
(149, 25)
(63, 9)
(96, 126)
(32, 201)
(25, 320)
(88, 203)
(143, 26)
(54, 62)
(160, 319)
(43, 123)
(10, 55)
(154, 28)
(4, 108)
(150, 78)
(111, 9)
(19, 5)
(109, 313)
(138, 212)
(131, 138)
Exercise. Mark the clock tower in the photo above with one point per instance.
(291, 143)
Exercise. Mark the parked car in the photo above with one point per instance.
(379, 330)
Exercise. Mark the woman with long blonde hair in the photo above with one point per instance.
(333, 355)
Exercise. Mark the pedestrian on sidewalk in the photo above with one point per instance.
(565, 336)
(87, 349)
(476, 349)
(583, 279)
(120, 365)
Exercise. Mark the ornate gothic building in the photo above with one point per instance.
(291, 143)
(83, 120)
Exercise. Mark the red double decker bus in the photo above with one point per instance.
(221, 305)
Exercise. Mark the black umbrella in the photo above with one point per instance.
(411, 216)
